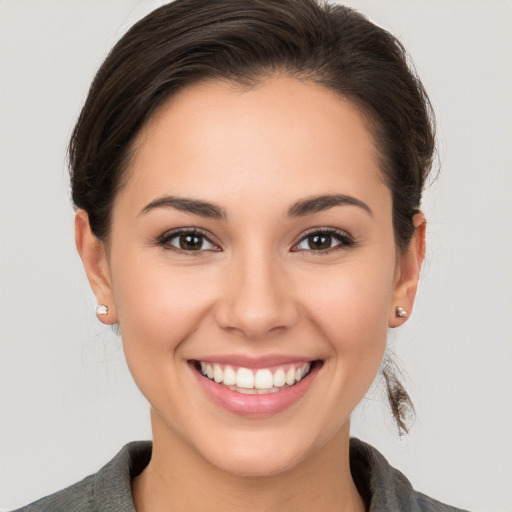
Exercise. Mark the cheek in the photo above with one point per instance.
(351, 302)
(158, 306)
(159, 303)
(349, 307)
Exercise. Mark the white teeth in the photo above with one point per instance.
(263, 379)
(279, 378)
(218, 375)
(229, 376)
(244, 378)
(246, 391)
(290, 377)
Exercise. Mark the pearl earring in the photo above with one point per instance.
(400, 312)
(101, 309)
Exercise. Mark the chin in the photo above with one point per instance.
(255, 462)
(267, 452)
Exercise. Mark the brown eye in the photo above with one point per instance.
(191, 242)
(187, 241)
(319, 242)
(324, 241)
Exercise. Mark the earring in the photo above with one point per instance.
(101, 309)
(400, 312)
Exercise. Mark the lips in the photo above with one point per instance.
(255, 389)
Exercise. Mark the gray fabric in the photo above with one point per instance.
(109, 490)
(383, 487)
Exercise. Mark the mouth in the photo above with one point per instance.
(252, 381)
(255, 390)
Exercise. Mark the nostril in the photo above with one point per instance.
(257, 324)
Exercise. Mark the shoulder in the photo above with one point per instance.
(384, 487)
(79, 497)
(108, 490)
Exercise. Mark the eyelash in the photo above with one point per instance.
(345, 241)
(165, 241)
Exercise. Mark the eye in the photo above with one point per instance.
(187, 241)
(324, 240)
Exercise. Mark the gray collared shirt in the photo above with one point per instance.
(109, 490)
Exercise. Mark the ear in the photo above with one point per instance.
(408, 273)
(94, 258)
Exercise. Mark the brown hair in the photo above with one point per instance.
(244, 41)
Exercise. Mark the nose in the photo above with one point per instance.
(258, 298)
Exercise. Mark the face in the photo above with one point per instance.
(253, 242)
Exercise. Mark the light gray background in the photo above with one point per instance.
(67, 401)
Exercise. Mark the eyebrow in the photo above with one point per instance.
(324, 202)
(301, 208)
(195, 206)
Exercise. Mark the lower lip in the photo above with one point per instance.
(256, 405)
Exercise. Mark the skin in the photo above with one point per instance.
(258, 289)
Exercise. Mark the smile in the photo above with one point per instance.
(255, 381)
(258, 389)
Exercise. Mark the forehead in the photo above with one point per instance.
(283, 136)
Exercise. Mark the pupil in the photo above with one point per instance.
(191, 242)
(319, 242)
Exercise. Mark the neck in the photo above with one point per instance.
(180, 477)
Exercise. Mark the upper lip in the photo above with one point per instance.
(246, 361)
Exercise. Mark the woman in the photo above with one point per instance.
(247, 179)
